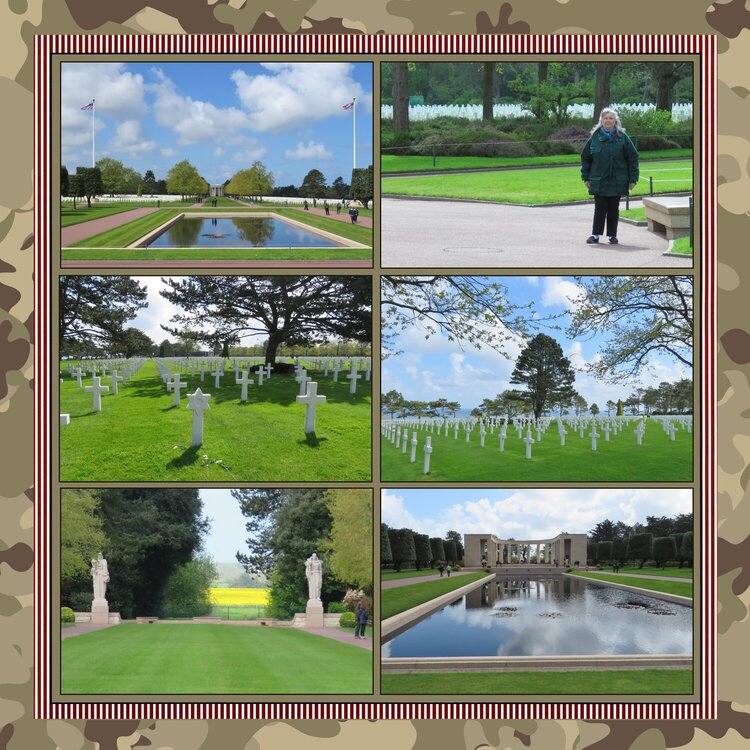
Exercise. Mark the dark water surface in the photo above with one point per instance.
(550, 616)
(238, 232)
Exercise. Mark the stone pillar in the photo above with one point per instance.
(314, 614)
(100, 612)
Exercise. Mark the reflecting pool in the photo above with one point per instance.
(548, 616)
(238, 231)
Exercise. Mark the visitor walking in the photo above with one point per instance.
(327, 208)
(609, 168)
(307, 207)
(441, 569)
(361, 624)
(338, 207)
(353, 213)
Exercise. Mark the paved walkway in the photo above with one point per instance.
(420, 579)
(78, 232)
(440, 233)
(80, 628)
(638, 575)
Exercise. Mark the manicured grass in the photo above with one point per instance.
(592, 682)
(393, 601)
(238, 612)
(138, 254)
(392, 575)
(395, 164)
(70, 216)
(349, 231)
(141, 436)
(189, 659)
(532, 186)
(619, 460)
(681, 246)
(671, 572)
(666, 587)
(126, 234)
(636, 214)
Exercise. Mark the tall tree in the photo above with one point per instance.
(402, 547)
(89, 183)
(82, 537)
(391, 402)
(117, 179)
(287, 309)
(362, 187)
(422, 550)
(131, 342)
(151, 532)
(602, 95)
(400, 97)
(641, 315)
(64, 180)
(314, 185)
(664, 76)
(488, 80)
(545, 372)
(186, 592)
(94, 309)
(149, 182)
(386, 556)
(183, 179)
(437, 549)
(339, 189)
(255, 182)
(350, 545)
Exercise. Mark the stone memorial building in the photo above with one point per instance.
(565, 549)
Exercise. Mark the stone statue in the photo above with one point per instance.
(314, 573)
(100, 574)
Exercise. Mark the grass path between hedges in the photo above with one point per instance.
(394, 601)
(666, 587)
(533, 186)
(139, 435)
(211, 659)
(591, 682)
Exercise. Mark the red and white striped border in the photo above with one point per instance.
(45, 373)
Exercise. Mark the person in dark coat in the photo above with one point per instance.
(361, 624)
(609, 168)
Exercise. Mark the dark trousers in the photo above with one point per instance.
(606, 207)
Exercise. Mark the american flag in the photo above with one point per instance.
(88, 106)
(348, 106)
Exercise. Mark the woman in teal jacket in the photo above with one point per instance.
(609, 167)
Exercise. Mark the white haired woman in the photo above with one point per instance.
(609, 168)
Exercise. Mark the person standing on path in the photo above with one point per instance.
(609, 168)
(361, 625)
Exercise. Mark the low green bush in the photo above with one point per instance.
(336, 607)
(456, 568)
(347, 620)
(66, 615)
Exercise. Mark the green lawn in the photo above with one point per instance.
(681, 246)
(187, 659)
(672, 572)
(619, 460)
(592, 682)
(396, 164)
(70, 216)
(393, 601)
(238, 611)
(141, 436)
(533, 186)
(636, 214)
(392, 575)
(666, 587)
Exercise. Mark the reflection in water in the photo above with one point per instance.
(238, 232)
(548, 616)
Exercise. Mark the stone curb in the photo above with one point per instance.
(407, 665)
(403, 619)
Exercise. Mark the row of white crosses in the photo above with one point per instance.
(336, 365)
(396, 429)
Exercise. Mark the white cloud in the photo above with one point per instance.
(561, 292)
(129, 139)
(219, 151)
(293, 95)
(194, 121)
(310, 151)
(393, 512)
(168, 152)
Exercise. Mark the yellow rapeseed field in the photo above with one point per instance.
(238, 597)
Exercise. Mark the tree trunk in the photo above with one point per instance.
(275, 340)
(400, 98)
(489, 78)
(602, 94)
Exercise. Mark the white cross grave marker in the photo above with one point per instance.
(413, 454)
(427, 452)
(198, 403)
(354, 376)
(529, 441)
(303, 380)
(311, 401)
(176, 385)
(244, 381)
(97, 389)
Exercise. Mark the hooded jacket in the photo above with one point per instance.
(609, 163)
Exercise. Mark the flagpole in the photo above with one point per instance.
(354, 127)
(93, 149)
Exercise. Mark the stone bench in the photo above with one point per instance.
(146, 620)
(668, 215)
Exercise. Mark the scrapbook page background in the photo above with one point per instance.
(22, 19)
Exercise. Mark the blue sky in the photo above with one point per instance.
(227, 534)
(220, 116)
(436, 367)
(526, 513)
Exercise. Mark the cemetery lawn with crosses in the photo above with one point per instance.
(185, 658)
(658, 458)
(140, 435)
